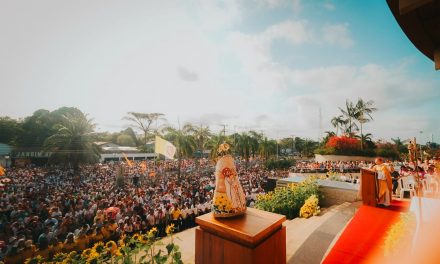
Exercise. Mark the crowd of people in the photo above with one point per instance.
(45, 210)
(327, 166)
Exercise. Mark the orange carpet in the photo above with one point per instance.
(362, 240)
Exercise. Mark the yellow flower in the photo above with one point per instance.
(37, 259)
(170, 229)
(144, 238)
(136, 237)
(93, 257)
(86, 253)
(122, 240)
(111, 247)
(98, 247)
(152, 232)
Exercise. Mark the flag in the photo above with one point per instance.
(164, 147)
(129, 162)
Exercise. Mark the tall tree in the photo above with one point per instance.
(143, 122)
(201, 136)
(267, 148)
(183, 141)
(363, 111)
(73, 140)
(338, 122)
(245, 144)
(255, 140)
(350, 113)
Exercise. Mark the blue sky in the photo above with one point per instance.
(267, 65)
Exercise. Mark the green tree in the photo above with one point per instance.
(35, 130)
(255, 140)
(72, 143)
(201, 136)
(338, 122)
(350, 113)
(244, 145)
(183, 141)
(143, 122)
(285, 144)
(363, 111)
(125, 140)
(400, 146)
(9, 129)
(267, 148)
(367, 139)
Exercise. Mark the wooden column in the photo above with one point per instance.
(256, 237)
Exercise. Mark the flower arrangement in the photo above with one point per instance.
(139, 248)
(288, 200)
(400, 235)
(310, 207)
(222, 204)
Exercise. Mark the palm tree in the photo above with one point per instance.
(201, 135)
(400, 146)
(143, 121)
(363, 111)
(267, 148)
(367, 138)
(183, 141)
(255, 140)
(243, 145)
(350, 113)
(73, 140)
(337, 122)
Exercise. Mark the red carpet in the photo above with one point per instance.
(363, 238)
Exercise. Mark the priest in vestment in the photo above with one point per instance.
(384, 182)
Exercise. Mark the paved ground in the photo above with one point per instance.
(308, 240)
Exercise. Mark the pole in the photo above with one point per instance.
(419, 185)
(421, 152)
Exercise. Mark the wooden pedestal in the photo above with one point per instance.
(256, 237)
(369, 187)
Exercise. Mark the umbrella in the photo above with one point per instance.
(5, 180)
(113, 211)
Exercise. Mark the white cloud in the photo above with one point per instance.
(389, 87)
(338, 34)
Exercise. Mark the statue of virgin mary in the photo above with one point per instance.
(229, 199)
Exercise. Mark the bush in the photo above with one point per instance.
(347, 152)
(343, 143)
(288, 200)
(279, 164)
